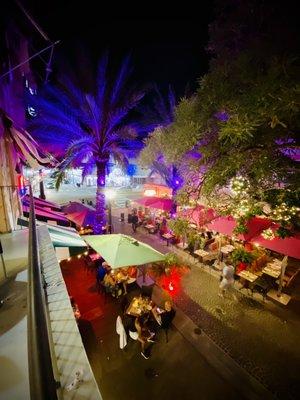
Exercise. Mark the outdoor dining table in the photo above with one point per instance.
(149, 226)
(249, 276)
(168, 236)
(201, 253)
(182, 245)
(139, 306)
(143, 305)
(227, 249)
(273, 268)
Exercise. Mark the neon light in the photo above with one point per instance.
(149, 192)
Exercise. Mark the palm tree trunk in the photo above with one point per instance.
(100, 198)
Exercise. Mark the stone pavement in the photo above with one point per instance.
(262, 338)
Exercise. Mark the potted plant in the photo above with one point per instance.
(240, 255)
(180, 227)
(192, 239)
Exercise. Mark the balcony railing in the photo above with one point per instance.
(41, 374)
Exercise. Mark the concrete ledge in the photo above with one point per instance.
(68, 349)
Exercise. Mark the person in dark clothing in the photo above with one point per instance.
(134, 221)
(167, 317)
(101, 272)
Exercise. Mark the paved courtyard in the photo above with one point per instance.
(261, 337)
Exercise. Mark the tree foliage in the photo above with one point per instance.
(244, 118)
(86, 129)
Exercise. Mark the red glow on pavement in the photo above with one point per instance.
(171, 282)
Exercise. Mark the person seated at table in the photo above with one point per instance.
(132, 275)
(75, 307)
(110, 283)
(138, 331)
(102, 270)
(167, 315)
(132, 272)
(121, 277)
(140, 215)
(163, 229)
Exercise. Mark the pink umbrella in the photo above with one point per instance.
(289, 246)
(73, 206)
(146, 201)
(82, 218)
(162, 204)
(226, 226)
(156, 202)
(199, 215)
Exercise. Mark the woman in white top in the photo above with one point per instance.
(227, 281)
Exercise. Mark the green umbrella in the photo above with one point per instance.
(122, 251)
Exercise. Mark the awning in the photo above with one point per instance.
(45, 215)
(41, 203)
(65, 238)
(60, 236)
(226, 226)
(289, 246)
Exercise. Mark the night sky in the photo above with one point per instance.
(166, 48)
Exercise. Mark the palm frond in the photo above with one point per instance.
(121, 80)
(102, 80)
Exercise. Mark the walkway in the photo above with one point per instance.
(14, 382)
(261, 337)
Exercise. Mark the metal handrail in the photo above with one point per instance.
(41, 376)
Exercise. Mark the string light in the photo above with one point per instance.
(268, 234)
(239, 185)
(284, 213)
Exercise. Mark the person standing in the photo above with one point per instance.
(227, 280)
(134, 221)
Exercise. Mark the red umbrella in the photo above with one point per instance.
(162, 204)
(289, 246)
(82, 218)
(146, 201)
(226, 226)
(156, 202)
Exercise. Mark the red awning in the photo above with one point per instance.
(289, 246)
(45, 215)
(226, 226)
(41, 203)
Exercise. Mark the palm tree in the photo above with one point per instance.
(89, 128)
(161, 113)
